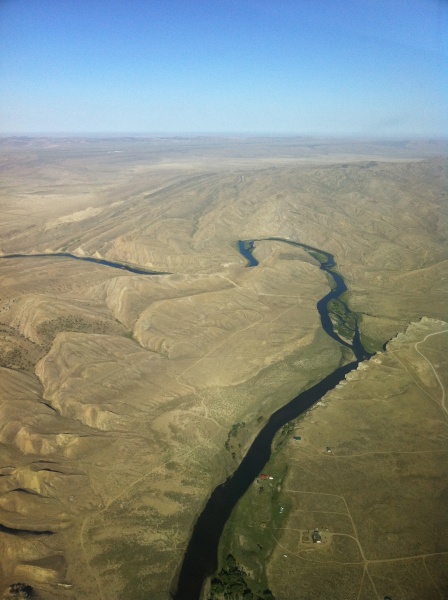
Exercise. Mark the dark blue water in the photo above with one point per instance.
(246, 248)
(328, 264)
(201, 556)
(98, 261)
(200, 560)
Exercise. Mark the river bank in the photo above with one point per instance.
(201, 556)
(333, 469)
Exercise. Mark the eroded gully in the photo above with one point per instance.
(201, 557)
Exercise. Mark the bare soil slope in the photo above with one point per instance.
(120, 392)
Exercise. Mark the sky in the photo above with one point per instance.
(294, 67)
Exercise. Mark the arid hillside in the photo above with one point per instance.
(127, 397)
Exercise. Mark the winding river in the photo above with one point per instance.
(98, 261)
(200, 560)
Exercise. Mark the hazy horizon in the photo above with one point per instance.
(221, 135)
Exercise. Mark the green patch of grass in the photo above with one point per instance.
(233, 433)
(344, 321)
(372, 345)
(249, 535)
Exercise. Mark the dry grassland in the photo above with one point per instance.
(118, 391)
(378, 498)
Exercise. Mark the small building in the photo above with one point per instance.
(263, 476)
(317, 538)
(298, 438)
(328, 450)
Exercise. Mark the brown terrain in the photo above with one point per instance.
(369, 472)
(120, 390)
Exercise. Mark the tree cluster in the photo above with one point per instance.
(231, 584)
(19, 591)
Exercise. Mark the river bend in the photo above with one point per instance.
(200, 559)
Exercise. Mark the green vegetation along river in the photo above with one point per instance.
(200, 560)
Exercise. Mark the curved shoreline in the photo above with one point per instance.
(200, 558)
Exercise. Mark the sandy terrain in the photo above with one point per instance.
(119, 390)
